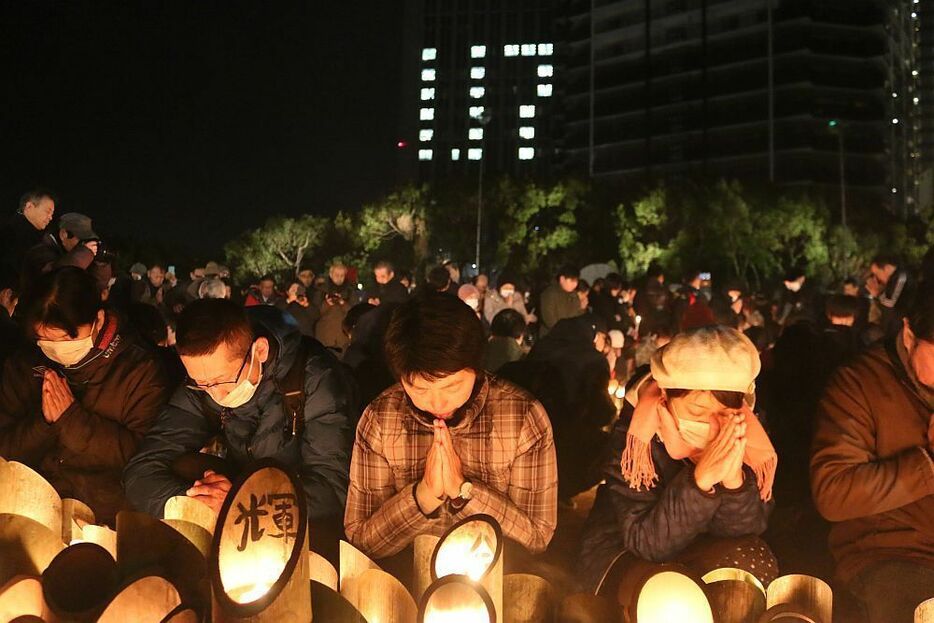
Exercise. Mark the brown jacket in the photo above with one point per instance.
(119, 389)
(871, 470)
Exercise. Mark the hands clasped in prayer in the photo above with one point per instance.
(212, 489)
(722, 460)
(443, 476)
(56, 396)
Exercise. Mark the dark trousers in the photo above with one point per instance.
(890, 590)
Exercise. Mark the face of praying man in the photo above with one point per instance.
(441, 397)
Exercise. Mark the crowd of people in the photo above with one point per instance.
(743, 418)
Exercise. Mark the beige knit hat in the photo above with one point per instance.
(710, 358)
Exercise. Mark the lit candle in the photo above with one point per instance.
(455, 599)
(250, 592)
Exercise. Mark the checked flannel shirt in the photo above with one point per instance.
(505, 445)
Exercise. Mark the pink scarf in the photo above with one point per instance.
(652, 418)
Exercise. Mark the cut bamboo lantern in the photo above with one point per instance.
(380, 597)
(322, 571)
(24, 492)
(456, 599)
(79, 582)
(332, 607)
(735, 601)
(659, 593)
(75, 516)
(150, 599)
(196, 535)
(924, 613)
(22, 596)
(191, 510)
(802, 595)
(100, 535)
(27, 547)
(182, 615)
(473, 547)
(424, 549)
(144, 543)
(353, 563)
(259, 560)
(530, 599)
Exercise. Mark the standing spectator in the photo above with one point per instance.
(137, 271)
(388, 289)
(797, 299)
(300, 308)
(471, 297)
(448, 441)
(891, 289)
(606, 303)
(306, 276)
(213, 288)
(506, 296)
(24, 231)
(560, 300)
(653, 301)
(265, 294)
(330, 328)
(507, 333)
(453, 270)
(152, 289)
(74, 244)
(336, 283)
(872, 472)
(77, 412)
(482, 283)
(438, 281)
(583, 294)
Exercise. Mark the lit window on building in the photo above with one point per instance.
(546, 71)
(475, 111)
(426, 114)
(475, 134)
(511, 49)
(477, 92)
(474, 153)
(455, 154)
(526, 111)
(424, 154)
(526, 153)
(425, 135)
(528, 49)
(544, 90)
(428, 93)
(429, 54)
(546, 49)
(527, 132)
(478, 73)
(477, 51)
(428, 75)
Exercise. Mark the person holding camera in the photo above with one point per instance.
(334, 300)
(74, 243)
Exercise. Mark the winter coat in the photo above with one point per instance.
(555, 305)
(119, 389)
(659, 523)
(330, 327)
(500, 351)
(871, 470)
(260, 428)
(49, 254)
(18, 236)
(305, 316)
(392, 292)
(493, 303)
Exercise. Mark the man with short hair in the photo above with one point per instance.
(872, 468)
(560, 300)
(388, 289)
(23, 231)
(239, 363)
(151, 290)
(891, 289)
(74, 244)
(265, 294)
(448, 441)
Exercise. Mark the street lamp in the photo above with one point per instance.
(837, 129)
(483, 119)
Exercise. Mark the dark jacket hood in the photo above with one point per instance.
(283, 334)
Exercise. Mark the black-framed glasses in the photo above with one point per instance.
(190, 382)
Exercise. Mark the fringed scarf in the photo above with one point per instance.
(652, 418)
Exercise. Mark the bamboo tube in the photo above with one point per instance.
(190, 510)
(531, 599)
(473, 547)
(353, 563)
(198, 536)
(424, 546)
(182, 615)
(28, 618)
(735, 601)
(806, 594)
(75, 516)
(79, 582)
(24, 492)
(144, 542)
(331, 607)
(150, 599)
(27, 546)
(259, 556)
(924, 613)
(379, 597)
(732, 573)
(320, 570)
(454, 599)
(101, 535)
(21, 596)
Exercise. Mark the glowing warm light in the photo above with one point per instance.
(671, 597)
(457, 614)
(456, 601)
(250, 593)
(469, 551)
(612, 387)
(250, 582)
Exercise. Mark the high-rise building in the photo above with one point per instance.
(484, 87)
(815, 94)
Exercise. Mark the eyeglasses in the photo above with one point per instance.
(190, 382)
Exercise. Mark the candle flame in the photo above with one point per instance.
(250, 593)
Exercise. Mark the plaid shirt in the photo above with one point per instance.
(507, 452)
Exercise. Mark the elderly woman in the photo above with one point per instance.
(691, 474)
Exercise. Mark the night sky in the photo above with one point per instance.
(192, 121)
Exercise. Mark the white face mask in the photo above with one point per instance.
(473, 304)
(244, 391)
(793, 286)
(67, 353)
(695, 434)
(505, 293)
